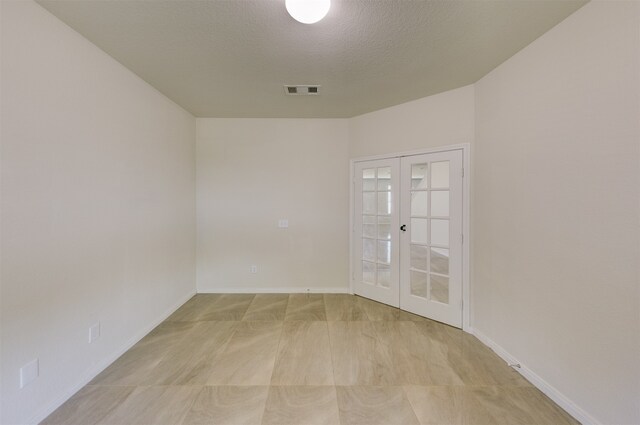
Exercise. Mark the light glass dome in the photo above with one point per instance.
(308, 11)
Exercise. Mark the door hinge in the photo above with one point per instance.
(462, 238)
(463, 172)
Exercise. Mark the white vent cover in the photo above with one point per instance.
(302, 90)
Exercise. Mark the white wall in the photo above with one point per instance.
(556, 222)
(440, 120)
(253, 172)
(98, 204)
(98, 208)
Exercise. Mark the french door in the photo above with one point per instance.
(408, 233)
(431, 236)
(377, 221)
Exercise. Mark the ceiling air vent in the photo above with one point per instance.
(302, 90)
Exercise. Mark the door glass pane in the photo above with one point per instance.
(419, 176)
(384, 275)
(418, 283)
(440, 203)
(419, 230)
(368, 249)
(369, 226)
(368, 202)
(440, 174)
(419, 257)
(440, 289)
(440, 232)
(419, 203)
(384, 203)
(369, 230)
(369, 179)
(440, 260)
(384, 252)
(368, 272)
(384, 178)
(384, 227)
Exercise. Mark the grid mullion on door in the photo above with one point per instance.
(383, 265)
(418, 241)
(423, 212)
(375, 240)
(368, 241)
(428, 231)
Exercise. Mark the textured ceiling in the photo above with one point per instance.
(230, 58)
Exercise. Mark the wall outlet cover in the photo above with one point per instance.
(94, 332)
(29, 372)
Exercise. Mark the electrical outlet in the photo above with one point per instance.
(283, 223)
(94, 332)
(253, 269)
(29, 372)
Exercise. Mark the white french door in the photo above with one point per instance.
(377, 185)
(408, 233)
(431, 236)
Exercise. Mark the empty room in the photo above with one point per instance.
(320, 212)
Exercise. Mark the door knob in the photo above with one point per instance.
(403, 227)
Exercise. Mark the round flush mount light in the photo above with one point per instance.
(308, 11)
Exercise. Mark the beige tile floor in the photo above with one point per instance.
(303, 360)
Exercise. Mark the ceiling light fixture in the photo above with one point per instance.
(308, 11)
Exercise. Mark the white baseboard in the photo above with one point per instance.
(99, 367)
(549, 390)
(282, 290)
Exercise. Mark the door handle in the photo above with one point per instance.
(403, 227)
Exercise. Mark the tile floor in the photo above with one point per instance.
(271, 359)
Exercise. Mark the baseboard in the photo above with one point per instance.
(560, 399)
(99, 367)
(282, 290)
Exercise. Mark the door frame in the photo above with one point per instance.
(466, 196)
